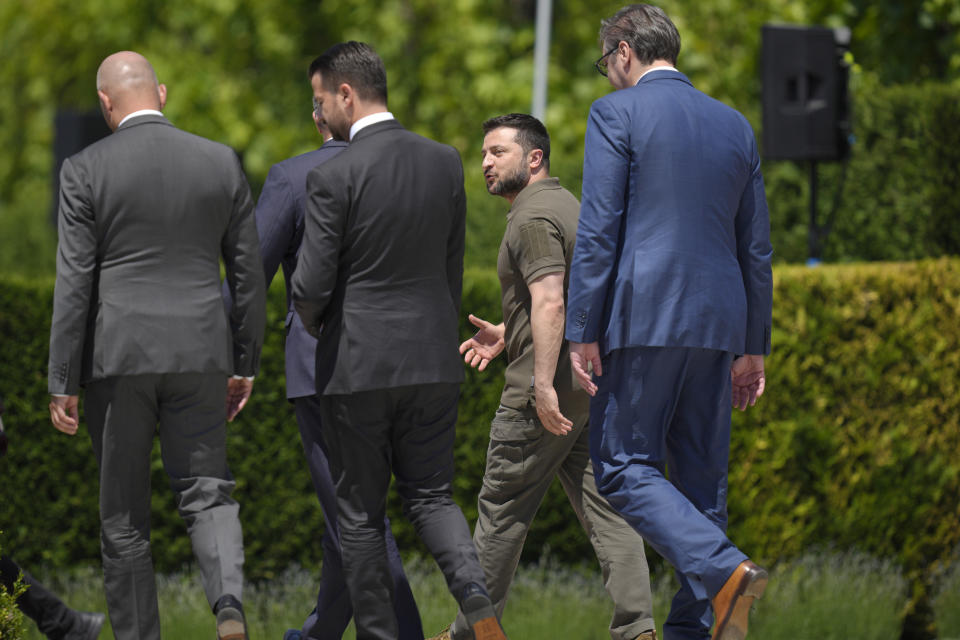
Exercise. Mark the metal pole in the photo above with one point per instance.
(813, 239)
(541, 59)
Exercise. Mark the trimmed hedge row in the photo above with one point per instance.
(856, 443)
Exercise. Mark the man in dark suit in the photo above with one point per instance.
(670, 278)
(280, 222)
(378, 281)
(146, 214)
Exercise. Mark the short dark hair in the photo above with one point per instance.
(531, 134)
(356, 64)
(647, 30)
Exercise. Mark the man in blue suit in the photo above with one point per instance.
(670, 279)
(280, 224)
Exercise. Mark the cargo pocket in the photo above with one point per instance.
(513, 438)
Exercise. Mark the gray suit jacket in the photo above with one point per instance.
(145, 216)
(381, 263)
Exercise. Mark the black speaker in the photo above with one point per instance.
(806, 111)
(73, 130)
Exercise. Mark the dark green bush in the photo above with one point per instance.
(855, 445)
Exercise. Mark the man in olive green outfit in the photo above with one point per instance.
(540, 429)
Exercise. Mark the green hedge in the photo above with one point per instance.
(899, 200)
(857, 441)
(855, 445)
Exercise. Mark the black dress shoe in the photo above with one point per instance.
(86, 626)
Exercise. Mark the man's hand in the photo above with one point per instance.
(581, 355)
(64, 414)
(748, 380)
(485, 345)
(548, 410)
(238, 392)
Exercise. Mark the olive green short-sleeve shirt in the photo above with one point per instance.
(541, 230)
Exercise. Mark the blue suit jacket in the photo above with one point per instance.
(280, 227)
(673, 245)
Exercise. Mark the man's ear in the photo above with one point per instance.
(106, 108)
(535, 159)
(105, 102)
(162, 93)
(625, 53)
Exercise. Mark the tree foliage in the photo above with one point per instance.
(236, 73)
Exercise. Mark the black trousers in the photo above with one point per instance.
(52, 616)
(407, 432)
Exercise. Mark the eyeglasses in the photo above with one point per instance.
(601, 63)
(317, 110)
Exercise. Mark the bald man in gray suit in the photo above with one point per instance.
(146, 214)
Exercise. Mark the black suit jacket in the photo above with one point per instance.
(146, 214)
(381, 264)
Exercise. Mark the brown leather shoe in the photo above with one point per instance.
(731, 607)
(648, 635)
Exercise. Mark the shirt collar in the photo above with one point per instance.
(141, 112)
(366, 121)
(534, 187)
(665, 68)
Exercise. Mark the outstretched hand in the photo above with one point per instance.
(747, 381)
(582, 355)
(238, 392)
(485, 345)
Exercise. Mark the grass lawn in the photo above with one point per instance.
(823, 596)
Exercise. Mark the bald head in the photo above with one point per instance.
(126, 83)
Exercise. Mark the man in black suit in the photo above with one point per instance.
(280, 222)
(378, 282)
(146, 214)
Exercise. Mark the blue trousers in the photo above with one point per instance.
(334, 610)
(667, 411)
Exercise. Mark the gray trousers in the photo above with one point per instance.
(407, 432)
(522, 460)
(122, 415)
